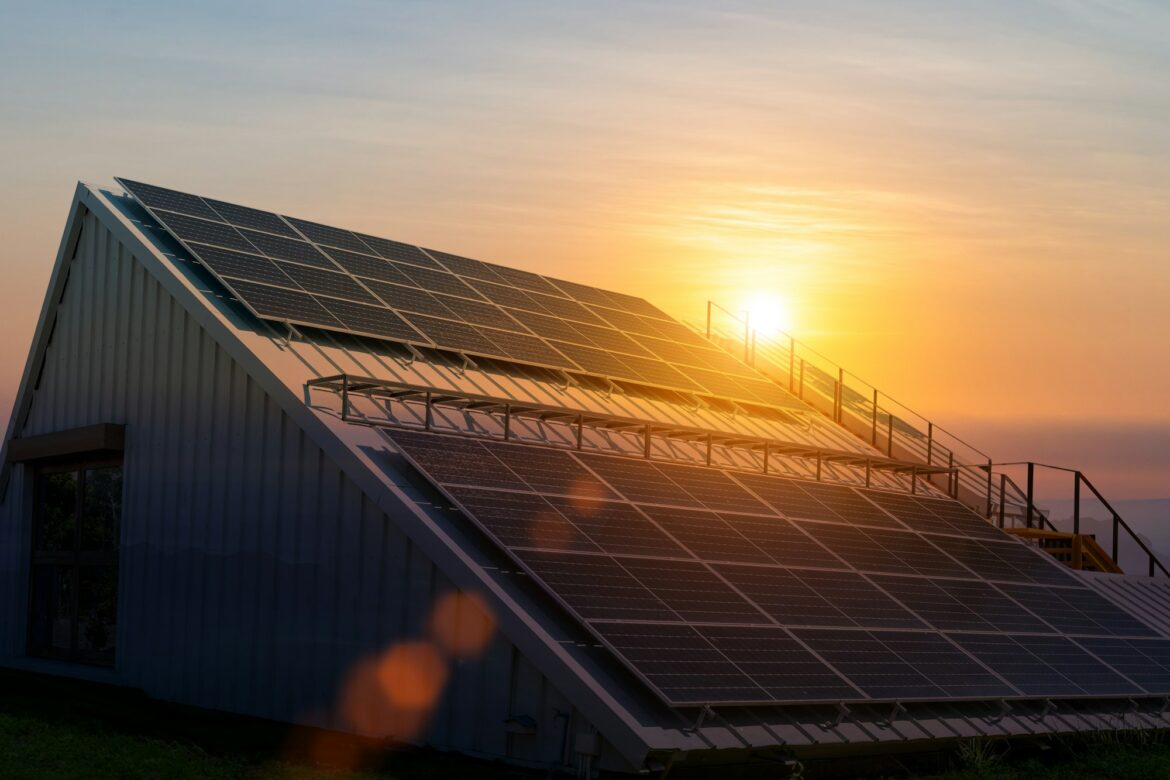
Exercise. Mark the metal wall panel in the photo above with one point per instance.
(254, 574)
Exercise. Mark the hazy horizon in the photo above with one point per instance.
(964, 204)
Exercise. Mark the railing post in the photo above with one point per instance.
(344, 395)
(890, 438)
(646, 444)
(507, 421)
(427, 416)
(1076, 502)
(838, 400)
(709, 442)
(580, 430)
(818, 465)
(767, 446)
(800, 389)
(988, 512)
(954, 474)
(1031, 481)
(1002, 498)
(913, 480)
(791, 364)
(1116, 522)
(708, 320)
(929, 443)
(873, 422)
(867, 472)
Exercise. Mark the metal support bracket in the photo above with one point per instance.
(704, 714)
(843, 712)
(1004, 710)
(895, 711)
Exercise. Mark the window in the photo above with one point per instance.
(73, 594)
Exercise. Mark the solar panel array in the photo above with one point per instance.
(303, 273)
(720, 587)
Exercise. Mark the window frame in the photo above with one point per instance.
(76, 558)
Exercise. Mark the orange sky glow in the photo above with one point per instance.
(965, 205)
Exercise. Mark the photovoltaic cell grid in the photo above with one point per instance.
(717, 587)
(304, 273)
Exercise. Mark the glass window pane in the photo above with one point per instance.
(58, 511)
(51, 611)
(97, 617)
(102, 508)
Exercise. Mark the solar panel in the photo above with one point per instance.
(596, 587)
(691, 590)
(279, 248)
(521, 519)
(680, 664)
(169, 200)
(959, 606)
(1006, 561)
(333, 283)
(395, 250)
(543, 321)
(1077, 611)
(242, 216)
(858, 599)
(282, 304)
(1044, 665)
(1144, 661)
(328, 236)
(374, 320)
(192, 229)
(632, 550)
(884, 551)
(638, 480)
(784, 542)
(369, 266)
(548, 470)
(706, 535)
(784, 596)
(902, 665)
(778, 664)
(618, 528)
(239, 265)
(929, 515)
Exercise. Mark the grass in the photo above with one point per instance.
(1103, 756)
(55, 728)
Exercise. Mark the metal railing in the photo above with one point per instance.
(578, 421)
(900, 432)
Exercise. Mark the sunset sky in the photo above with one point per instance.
(967, 204)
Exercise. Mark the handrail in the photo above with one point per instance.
(754, 338)
(834, 391)
(347, 386)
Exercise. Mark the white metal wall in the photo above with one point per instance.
(254, 574)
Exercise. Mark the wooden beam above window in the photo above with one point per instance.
(100, 438)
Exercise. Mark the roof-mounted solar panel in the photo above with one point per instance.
(400, 292)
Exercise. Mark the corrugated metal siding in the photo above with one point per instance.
(254, 574)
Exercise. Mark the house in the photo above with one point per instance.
(271, 467)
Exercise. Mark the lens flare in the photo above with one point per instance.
(462, 624)
(412, 675)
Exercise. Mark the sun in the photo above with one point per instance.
(768, 314)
